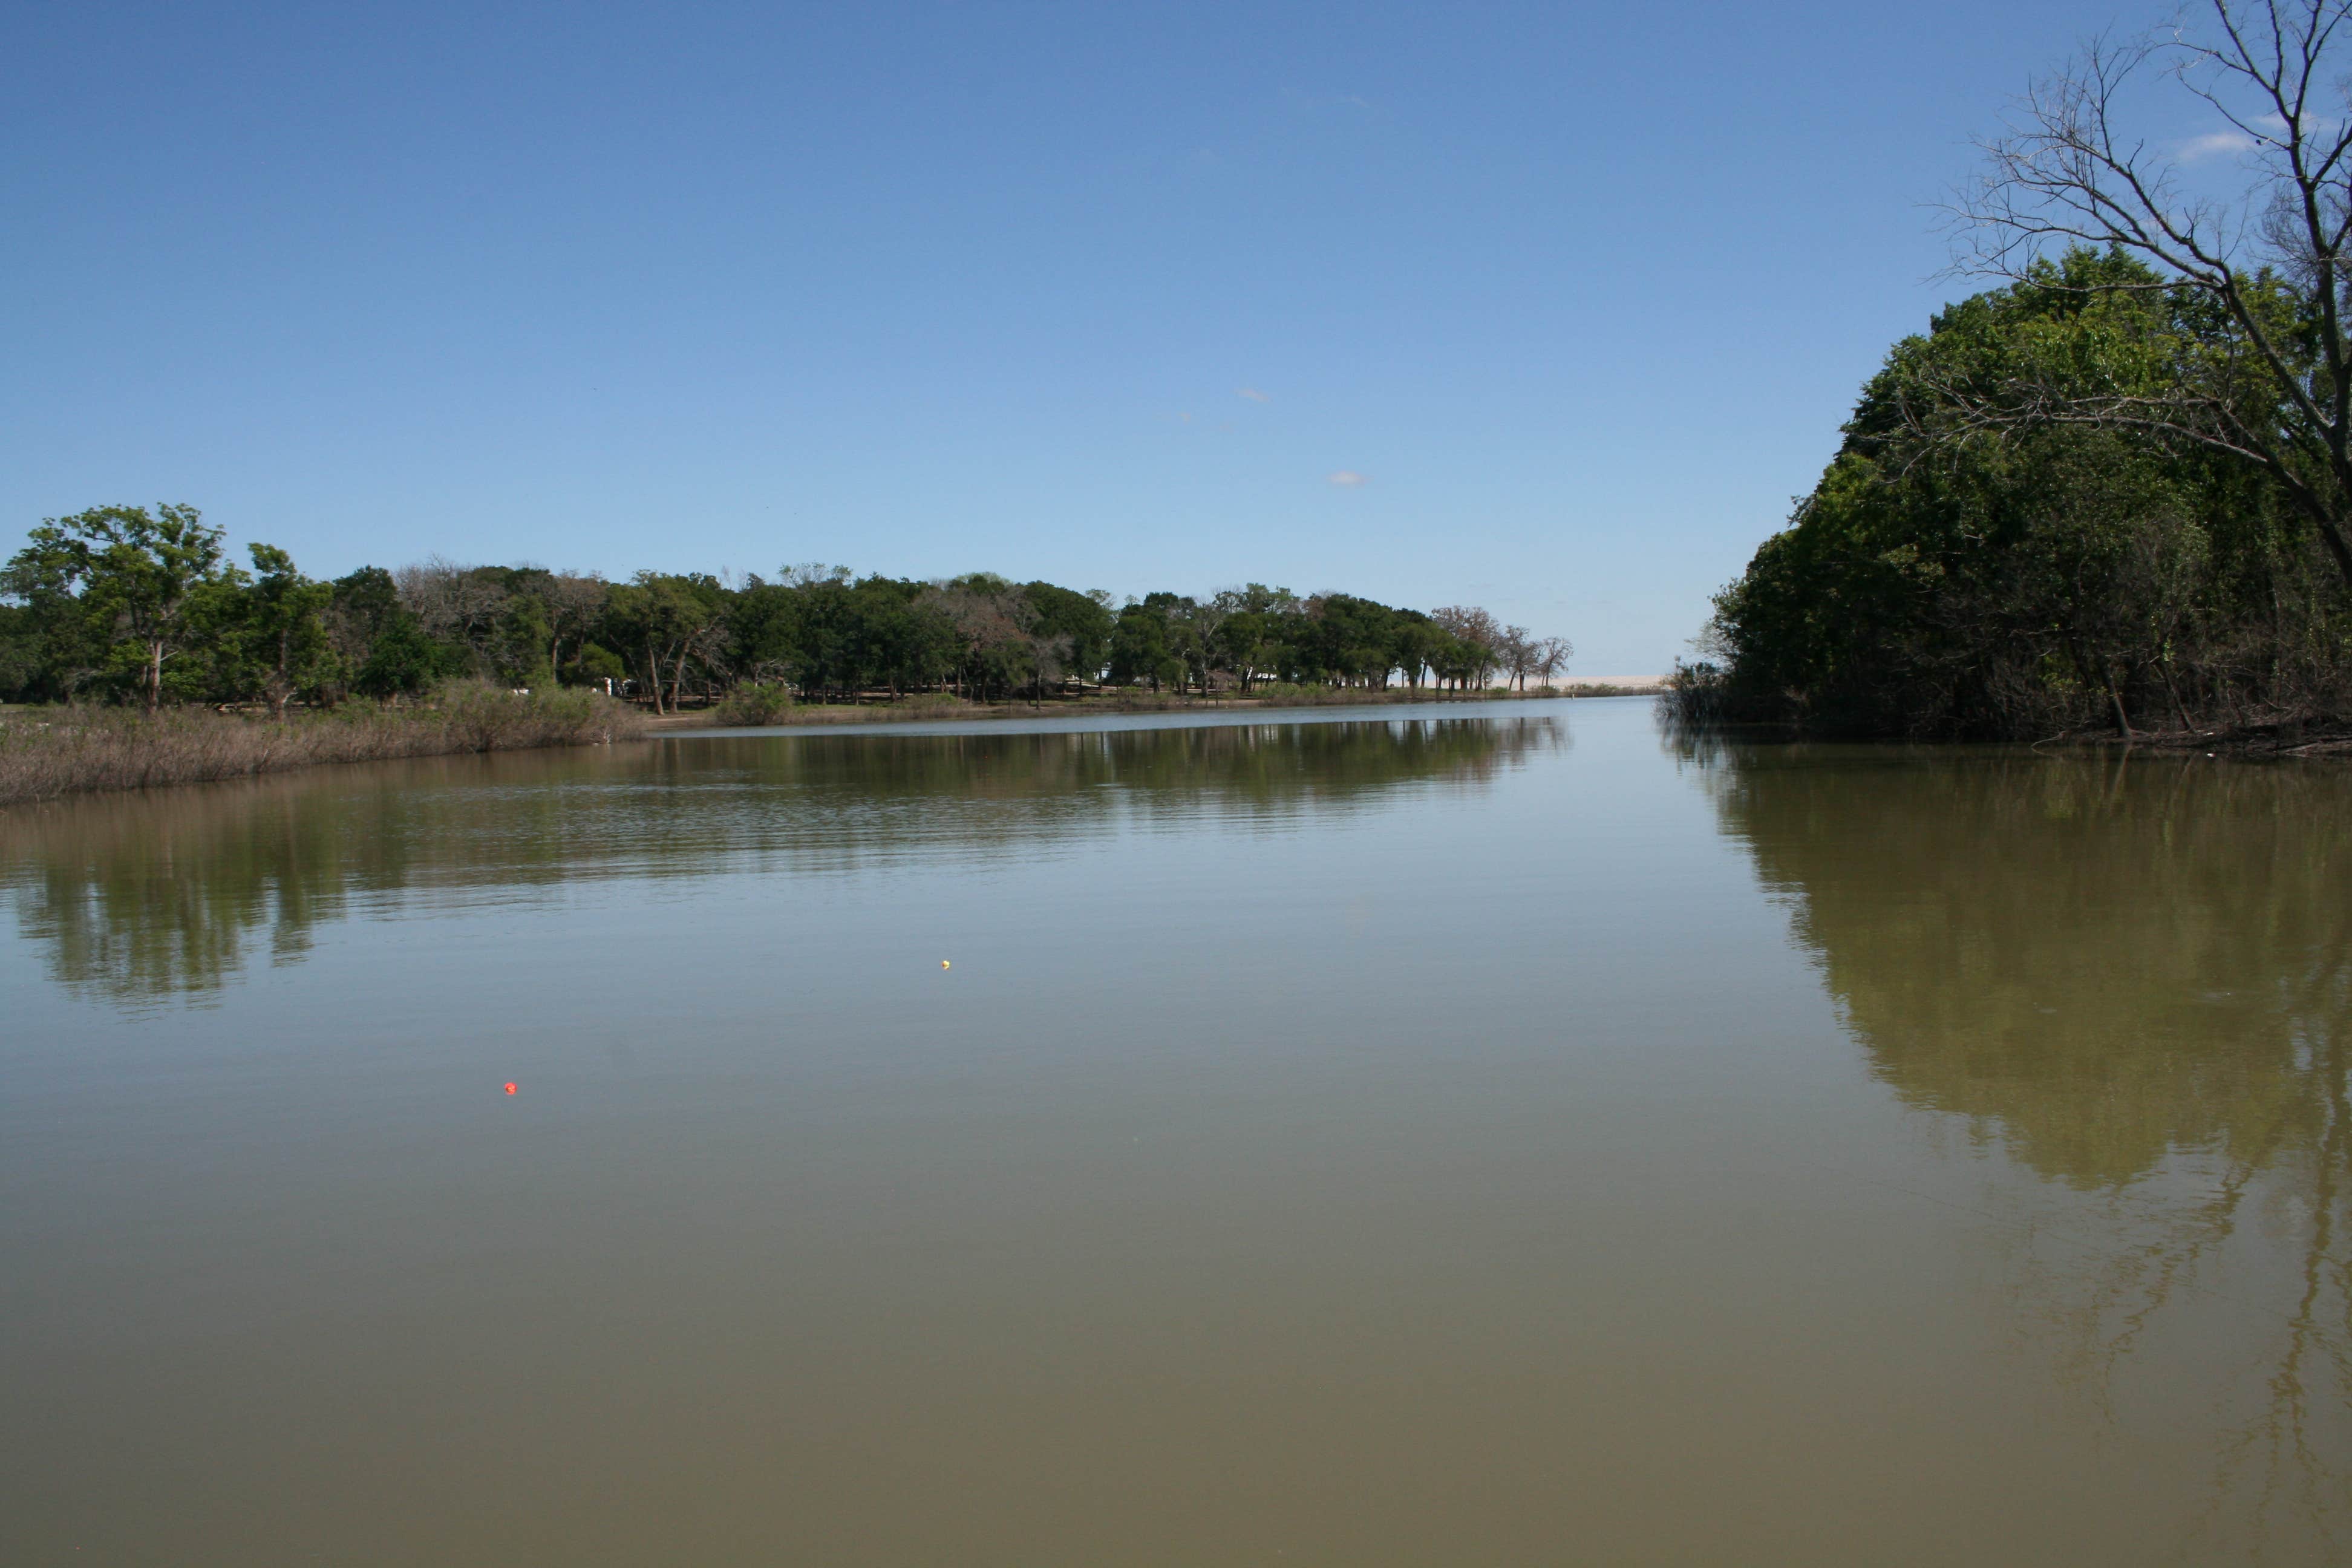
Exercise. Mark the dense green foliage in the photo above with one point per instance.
(123, 603)
(1983, 557)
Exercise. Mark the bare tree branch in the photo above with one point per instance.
(2069, 171)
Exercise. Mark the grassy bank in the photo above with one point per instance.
(49, 751)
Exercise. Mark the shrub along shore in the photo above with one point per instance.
(50, 752)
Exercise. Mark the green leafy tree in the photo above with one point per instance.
(1257, 626)
(131, 575)
(1246, 646)
(1415, 641)
(404, 661)
(285, 627)
(669, 621)
(596, 665)
(1140, 650)
(2259, 371)
(1454, 661)
(520, 642)
(1478, 642)
(1196, 637)
(766, 632)
(907, 642)
(1953, 574)
(55, 647)
(826, 635)
(1081, 621)
(362, 604)
(1348, 639)
(568, 603)
(380, 647)
(20, 651)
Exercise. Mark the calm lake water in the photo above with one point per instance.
(1420, 1139)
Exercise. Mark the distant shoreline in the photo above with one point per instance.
(49, 752)
(918, 710)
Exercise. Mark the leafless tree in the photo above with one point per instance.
(452, 601)
(1515, 650)
(573, 601)
(1196, 625)
(1552, 655)
(1050, 656)
(2071, 170)
(992, 621)
(1522, 655)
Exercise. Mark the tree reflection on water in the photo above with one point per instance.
(2135, 976)
(158, 895)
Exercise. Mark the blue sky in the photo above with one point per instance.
(1575, 296)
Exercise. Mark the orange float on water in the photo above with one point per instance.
(509, 1088)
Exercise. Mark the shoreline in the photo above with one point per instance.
(48, 754)
(903, 711)
(2313, 740)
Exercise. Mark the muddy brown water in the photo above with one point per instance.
(1421, 1139)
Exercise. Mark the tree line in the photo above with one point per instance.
(2115, 490)
(144, 605)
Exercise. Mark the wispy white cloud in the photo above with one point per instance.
(2215, 144)
(1347, 477)
(1251, 393)
(2314, 125)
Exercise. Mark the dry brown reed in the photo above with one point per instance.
(49, 751)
